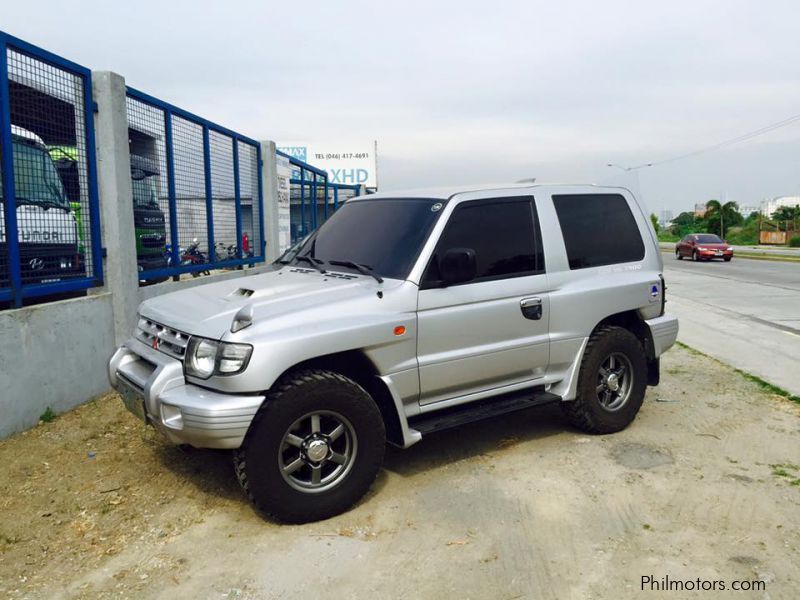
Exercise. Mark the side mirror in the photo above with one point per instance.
(458, 265)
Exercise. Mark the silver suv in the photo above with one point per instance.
(406, 314)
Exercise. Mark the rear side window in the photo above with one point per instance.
(598, 229)
(504, 233)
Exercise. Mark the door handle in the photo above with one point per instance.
(531, 308)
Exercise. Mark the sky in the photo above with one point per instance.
(469, 92)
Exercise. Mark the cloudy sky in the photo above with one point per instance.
(465, 92)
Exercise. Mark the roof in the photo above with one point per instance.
(28, 136)
(443, 193)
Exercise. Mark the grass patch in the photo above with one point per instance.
(764, 385)
(785, 471)
(48, 416)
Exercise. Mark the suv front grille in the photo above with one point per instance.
(170, 341)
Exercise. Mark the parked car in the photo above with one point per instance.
(703, 246)
(403, 315)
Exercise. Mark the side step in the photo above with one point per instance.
(470, 412)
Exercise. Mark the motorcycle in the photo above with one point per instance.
(193, 256)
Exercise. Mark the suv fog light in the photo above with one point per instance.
(171, 416)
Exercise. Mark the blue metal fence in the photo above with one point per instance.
(49, 212)
(197, 191)
(312, 197)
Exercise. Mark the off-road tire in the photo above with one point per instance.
(296, 394)
(586, 412)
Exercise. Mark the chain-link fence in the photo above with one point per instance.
(312, 199)
(197, 194)
(49, 230)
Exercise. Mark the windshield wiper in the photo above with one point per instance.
(314, 262)
(363, 269)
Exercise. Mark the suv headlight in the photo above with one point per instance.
(205, 358)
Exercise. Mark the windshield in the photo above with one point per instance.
(144, 190)
(383, 235)
(708, 238)
(36, 180)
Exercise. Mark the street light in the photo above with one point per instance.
(635, 172)
(629, 168)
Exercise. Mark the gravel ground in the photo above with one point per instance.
(704, 484)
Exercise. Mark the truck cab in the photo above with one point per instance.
(148, 218)
(47, 227)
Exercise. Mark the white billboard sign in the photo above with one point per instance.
(352, 164)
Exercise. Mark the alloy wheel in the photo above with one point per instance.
(317, 451)
(614, 381)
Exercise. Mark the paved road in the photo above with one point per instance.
(745, 313)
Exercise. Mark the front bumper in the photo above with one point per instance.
(154, 388)
(664, 333)
(714, 253)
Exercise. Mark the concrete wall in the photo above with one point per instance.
(52, 355)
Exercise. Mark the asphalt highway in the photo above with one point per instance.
(745, 313)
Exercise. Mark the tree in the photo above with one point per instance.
(654, 219)
(719, 216)
(682, 224)
(786, 213)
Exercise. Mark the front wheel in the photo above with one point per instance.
(611, 383)
(678, 255)
(727, 258)
(314, 448)
(694, 256)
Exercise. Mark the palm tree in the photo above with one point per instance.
(728, 213)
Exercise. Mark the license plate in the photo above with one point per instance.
(132, 399)
(718, 252)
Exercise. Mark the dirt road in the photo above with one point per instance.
(705, 484)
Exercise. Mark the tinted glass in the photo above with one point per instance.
(501, 232)
(386, 235)
(708, 238)
(599, 229)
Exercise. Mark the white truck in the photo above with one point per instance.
(47, 228)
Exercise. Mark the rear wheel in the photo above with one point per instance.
(611, 384)
(314, 448)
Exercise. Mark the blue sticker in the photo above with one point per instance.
(654, 292)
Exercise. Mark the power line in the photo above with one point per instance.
(742, 138)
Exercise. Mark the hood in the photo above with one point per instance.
(713, 246)
(208, 310)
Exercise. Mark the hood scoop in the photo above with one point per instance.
(242, 292)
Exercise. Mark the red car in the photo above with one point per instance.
(703, 246)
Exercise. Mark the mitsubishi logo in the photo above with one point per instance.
(36, 264)
(156, 342)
